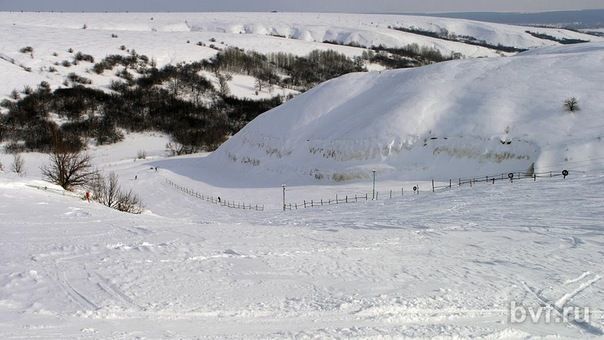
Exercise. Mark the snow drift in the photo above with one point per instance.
(449, 120)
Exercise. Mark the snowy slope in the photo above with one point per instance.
(164, 36)
(449, 120)
(429, 265)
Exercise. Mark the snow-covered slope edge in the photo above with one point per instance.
(460, 118)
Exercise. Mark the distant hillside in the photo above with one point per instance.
(200, 77)
(593, 18)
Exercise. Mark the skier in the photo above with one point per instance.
(88, 196)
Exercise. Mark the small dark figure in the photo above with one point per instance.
(135, 177)
(219, 200)
(88, 196)
(155, 169)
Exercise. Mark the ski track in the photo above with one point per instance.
(441, 264)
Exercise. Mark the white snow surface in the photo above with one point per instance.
(164, 36)
(442, 265)
(455, 119)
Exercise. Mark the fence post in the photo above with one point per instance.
(460, 182)
(432, 185)
(390, 194)
(336, 198)
(312, 203)
(373, 188)
(365, 197)
(402, 193)
(321, 201)
(346, 198)
(534, 177)
(283, 197)
(450, 183)
(304, 204)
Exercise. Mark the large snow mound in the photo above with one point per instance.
(449, 120)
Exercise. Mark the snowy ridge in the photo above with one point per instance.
(449, 120)
(173, 37)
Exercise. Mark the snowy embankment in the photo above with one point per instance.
(454, 119)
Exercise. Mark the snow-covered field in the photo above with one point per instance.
(449, 264)
(170, 38)
(446, 264)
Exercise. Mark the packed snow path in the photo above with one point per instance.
(436, 264)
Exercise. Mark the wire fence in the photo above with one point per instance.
(511, 176)
(216, 200)
(415, 189)
(374, 194)
(341, 199)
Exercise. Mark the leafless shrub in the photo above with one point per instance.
(107, 191)
(178, 149)
(69, 169)
(141, 154)
(571, 104)
(18, 165)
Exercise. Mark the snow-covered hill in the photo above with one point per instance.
(170, 38)
(449, 120)
(444, 265)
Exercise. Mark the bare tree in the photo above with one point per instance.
(223, 82)
(107, 191)
(18, 165)
(571, 104)
(69, 169)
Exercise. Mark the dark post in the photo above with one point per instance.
(432, 185)
(373, 190)
(283, 197)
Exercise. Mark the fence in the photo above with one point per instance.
(375, 195)
(216, 200)
(415, 190)
(327, 201)
(512, 176)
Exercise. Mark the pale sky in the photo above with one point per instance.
(366, 6)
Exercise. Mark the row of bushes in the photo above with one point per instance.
(446, 35)
(175, 99)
